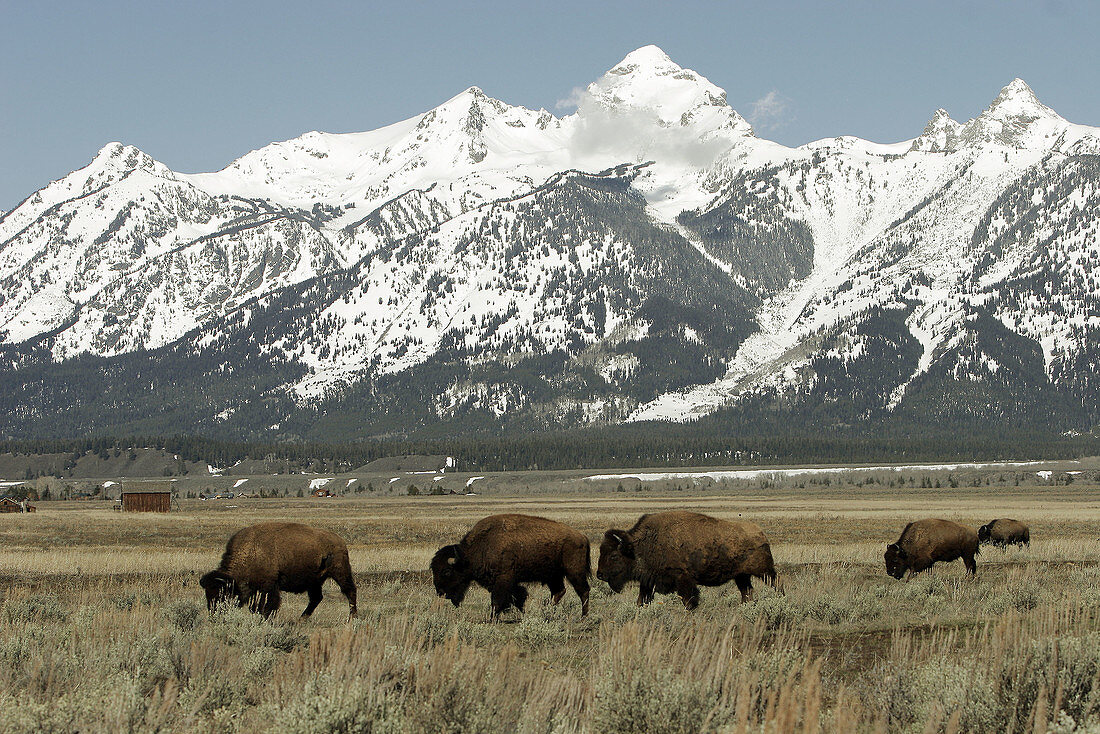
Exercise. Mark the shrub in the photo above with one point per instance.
(327, 705)
(184, 614)
(35, 609)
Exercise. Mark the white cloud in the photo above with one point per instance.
(770, 111)
(632, 134)
(573, 101)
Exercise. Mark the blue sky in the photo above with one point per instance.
(197, 84)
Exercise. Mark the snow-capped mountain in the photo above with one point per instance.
(645, 257)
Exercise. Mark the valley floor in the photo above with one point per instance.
(104, 627)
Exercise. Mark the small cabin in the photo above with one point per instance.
(146, 499)
(10, 505)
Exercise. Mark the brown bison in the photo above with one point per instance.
(676, 551)
(262, 560)
(924, 542)
(503, 551)
(1003, 533)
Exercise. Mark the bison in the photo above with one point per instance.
(262, 560)
(677, 551)
(501, 552)
(1003, 533)
(924, 542)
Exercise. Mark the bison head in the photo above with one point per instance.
(616, 565)
(897, 560)
(451, 574)
(984, 532)
(219, 586)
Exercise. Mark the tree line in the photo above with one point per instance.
(637, 446)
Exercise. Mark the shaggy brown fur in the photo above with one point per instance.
(925, 542)
(503, 551)
(677, 551)
(262, 560)
(1003, 533)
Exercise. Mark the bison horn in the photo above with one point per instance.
(620, 538)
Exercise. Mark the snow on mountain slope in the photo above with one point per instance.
(66, 243)
(494, 149)
(886, 221)
(549, 271)
(493, 232)
(1036, 255)
(646, 108)
(126, 254)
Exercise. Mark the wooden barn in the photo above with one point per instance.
(10, 504)
(146, 498)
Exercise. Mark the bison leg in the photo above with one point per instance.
(557, 590)
(580, 585)
(315, 597)
(246, 596)
(744, 585)
(688, 592)
(269, 602)
(645, 594)
(971, 566)
(519, 597)
(500, 597)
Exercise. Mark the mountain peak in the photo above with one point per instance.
(120, 157)
(467, 96)
(1016, 118)
(649, 83)
(940, 135)
(646, 57)
(1017, 98)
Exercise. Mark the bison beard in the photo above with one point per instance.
(450, 572)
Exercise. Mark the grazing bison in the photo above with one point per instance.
(676, 551)
(1003, 533)
(262, 560)
(503, 551)
(924, 542)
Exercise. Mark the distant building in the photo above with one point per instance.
(10, 504)
(150, 498)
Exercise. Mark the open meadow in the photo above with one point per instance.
(103, 626)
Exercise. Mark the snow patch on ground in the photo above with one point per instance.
(780, 472)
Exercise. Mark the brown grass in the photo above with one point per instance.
(103, 626)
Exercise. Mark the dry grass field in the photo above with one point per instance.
(103, 626)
